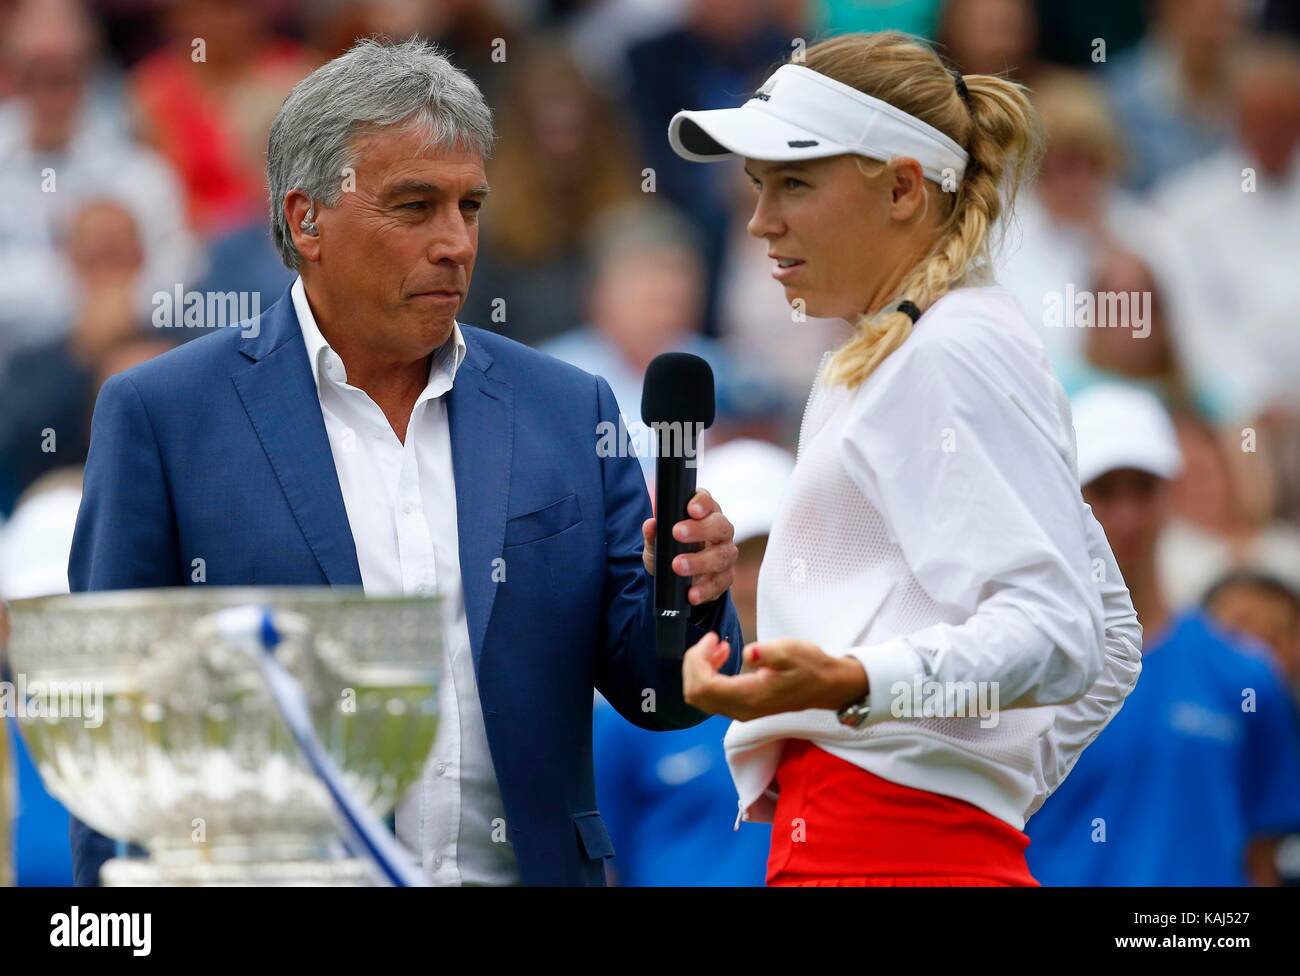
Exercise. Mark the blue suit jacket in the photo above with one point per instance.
(217, 451)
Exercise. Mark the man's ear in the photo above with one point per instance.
(304, 227)
(907, 196)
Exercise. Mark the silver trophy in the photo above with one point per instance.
(241, 736)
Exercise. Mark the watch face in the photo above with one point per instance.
(854, 715)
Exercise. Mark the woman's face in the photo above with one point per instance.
(824, 224)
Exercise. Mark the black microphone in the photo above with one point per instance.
(677, 404)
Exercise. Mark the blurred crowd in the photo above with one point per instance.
(1158, 248)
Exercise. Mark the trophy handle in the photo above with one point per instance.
(258, 629)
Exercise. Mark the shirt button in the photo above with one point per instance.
(408, 508)
(440, 768)
(437, 861)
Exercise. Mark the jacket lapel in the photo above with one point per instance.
(279, 395)
(479, 409)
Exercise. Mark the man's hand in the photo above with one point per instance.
(784, 675)
(714, 565)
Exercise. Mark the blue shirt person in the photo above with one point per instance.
(670, 806)
(1204, 755)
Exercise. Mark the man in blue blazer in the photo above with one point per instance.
(355, 434)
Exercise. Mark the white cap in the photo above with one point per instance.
(799, 113)
(1124, 427)
(747, 478)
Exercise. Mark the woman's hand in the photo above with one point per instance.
(784, 675)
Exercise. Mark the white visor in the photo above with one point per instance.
(799, 113)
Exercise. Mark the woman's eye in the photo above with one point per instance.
(792, 184)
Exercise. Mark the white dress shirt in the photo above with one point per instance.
(934, 529)
(401, 505)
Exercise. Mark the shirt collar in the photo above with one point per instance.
(327, 365)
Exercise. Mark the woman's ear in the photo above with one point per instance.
(907, 196)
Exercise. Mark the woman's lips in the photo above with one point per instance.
(784, 274)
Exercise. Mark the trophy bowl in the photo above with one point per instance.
(152, 724)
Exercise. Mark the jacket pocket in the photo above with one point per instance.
(547, 521)
(593, 835)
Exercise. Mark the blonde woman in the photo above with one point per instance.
(942, 627)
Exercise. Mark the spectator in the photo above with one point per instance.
(205, 101)
(47, 391)
(1074, 215)
(57, 150)
(1222, 519)
(1205, 754)
(1132, 340)
(469, 30)
(561, 164)
(240, 256)
(1238, 212)
(599, 36)
(1265, 608)
(723, 50)
(646, 298)
(1170, 90)
(990, 37)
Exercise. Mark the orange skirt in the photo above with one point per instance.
(839, 825)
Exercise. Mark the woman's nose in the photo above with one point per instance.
(764, 222)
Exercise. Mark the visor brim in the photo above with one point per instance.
(716, 134)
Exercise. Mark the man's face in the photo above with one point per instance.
(646, 300)
(1268, 119)
(397, 252)
(1131, 506)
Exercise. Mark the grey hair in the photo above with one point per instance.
(376, 84)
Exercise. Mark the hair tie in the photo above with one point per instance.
(962, 90)
(909, 309)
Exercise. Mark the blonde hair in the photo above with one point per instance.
(1077, 115)
(995, 123)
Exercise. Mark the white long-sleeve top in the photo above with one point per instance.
(934, 529)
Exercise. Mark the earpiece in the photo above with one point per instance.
(308, 225)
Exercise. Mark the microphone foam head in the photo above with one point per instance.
(678, 389)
